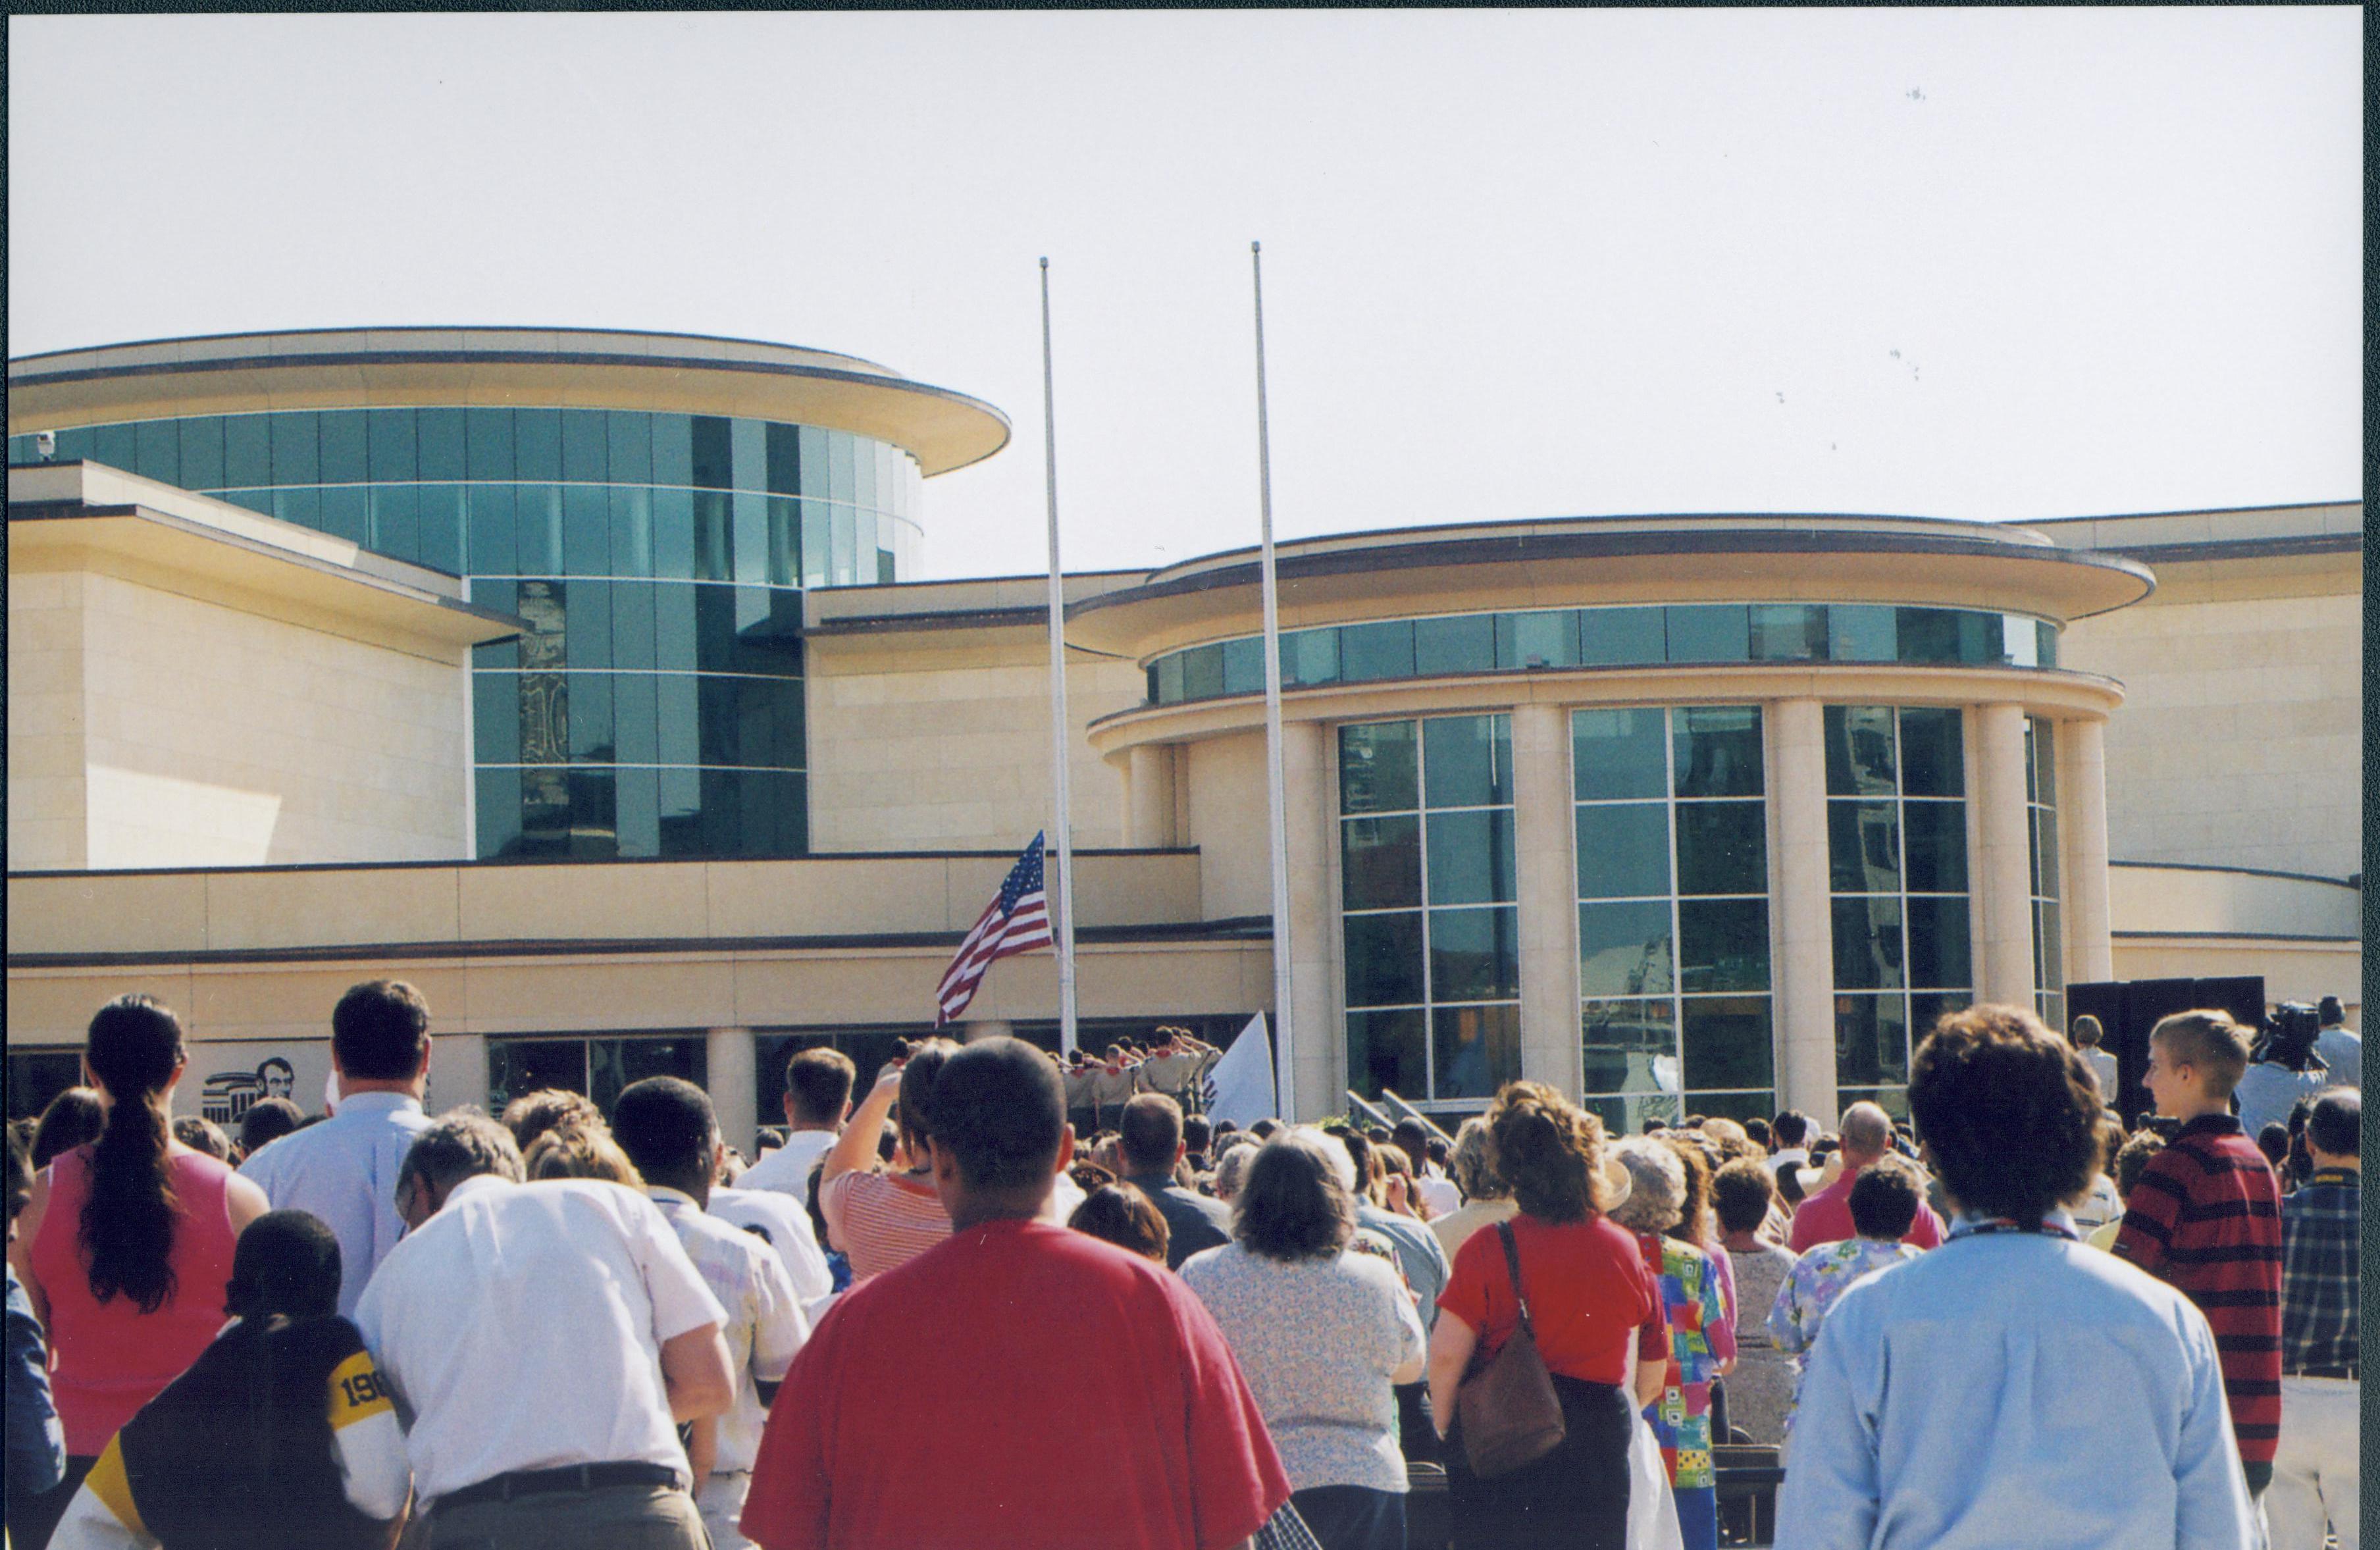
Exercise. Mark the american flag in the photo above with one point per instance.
(1018, 921)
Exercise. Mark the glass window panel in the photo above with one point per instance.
(157, 451)
(202, 449)
(1622, 636)
(628, 453)
(843, 483)
(1469, 760)
(591, 717)
(1381, 863)
(441, 507)
(1388, 1049)
(541, 602)
(440, 438)
(713, 451)
(586, 530)
(1477, 1051)
(1462, 644)
(1863, 633)
(496, 550)
(1475, 955)
(1709, 632)
(723, 812)
(1933, 752)
(818, 542)
(257, 500)
(1863, 847)
(544, 719)
(2045, 853)
(630, 516)
(1619, 754)
(673, 464)
(635, 728)
(537, 528)
(631, 626)
(785, 542)
(639, 812)
(80, 443)
(791, 746)
(674, 534)
(749, 520)
(302, 506)
(863, 488)
(347, 456)
(1722, 848)
(1722, 945)
(2046, 634)
(247, 450)
(118, 446)
(1309, 656)
(1384, 960)
(1628, 1116)
(1929, 634)
(1894, 1101)
(496, 718)
(1623, 850)
(816, 479)
(1717, 750)
(1868, 944)
(1936, 837)
(714, 556)
(842, 546)
(1376, 768)
(1871, 1039)
(784, 458)
(1861, 760)
(755, 724)
(586, 446)
(498, 812)
(1544, 638)
(1938, 945)
(1202, 672)
(1471, 858)
(347, 513)
(545, 813)
(487, 443)
(1167, 675)
(1727, 1042)
(1243, 666)
(2020, 641)
(537, 444)
(677, 712)
(1625, 950)
(296, 447)
(681, 796)
(1740, 1105)
(2049, 948)
(1368, 652)
(590, 623)
(1789, 633)
(594, 817)
(1630, 1046)
(2042, 740)
(396, 520)
(715, 719)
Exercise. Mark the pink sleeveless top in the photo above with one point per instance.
(108, 1360)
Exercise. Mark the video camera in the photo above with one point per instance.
(2286, 1036)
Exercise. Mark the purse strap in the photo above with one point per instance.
(1512, 1263)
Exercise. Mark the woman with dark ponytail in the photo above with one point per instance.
(125, 1248)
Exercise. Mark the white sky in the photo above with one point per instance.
(1978, 263)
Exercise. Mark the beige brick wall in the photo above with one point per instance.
(153, 729)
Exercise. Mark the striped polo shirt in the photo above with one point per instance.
(881, 1220)
(2205, 1216)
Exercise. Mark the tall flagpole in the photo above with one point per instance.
(1058, 724)
(1284, 1087)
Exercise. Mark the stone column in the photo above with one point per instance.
(458, 1074)
(2083, 825)
(1544, 835)
(1803, 981)
(1148, 796)
(735, 1094)
(1319, 1042)
(2003, 879)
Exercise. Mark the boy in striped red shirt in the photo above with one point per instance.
(2206, 1217)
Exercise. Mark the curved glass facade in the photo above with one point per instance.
(1700, 634)
(656, 706)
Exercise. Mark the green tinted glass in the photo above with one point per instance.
(1722, 945)
(1623, 850)
(1471, 858)
(1469, 760)
(1478, 1049)
(1863, 846)
(1722, 848)
(1625, 950)
(1377, 769)
(1384, 960)
(1717, 750)
(1727, 1042)
(1619, 754)
(1475, 955)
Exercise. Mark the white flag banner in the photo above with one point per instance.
(1240, 1088)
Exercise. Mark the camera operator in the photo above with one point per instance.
(2283, 1069)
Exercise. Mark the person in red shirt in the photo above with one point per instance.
(1825, 1218)
(2204, 1217)
(920, 1413)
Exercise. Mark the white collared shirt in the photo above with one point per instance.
(786, 1221)
(787, 1169)
(522, 1325)
(344, 1170)
(765, 1324)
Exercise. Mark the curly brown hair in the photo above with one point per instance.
(1548, 1150)
(1701, 1160)
(2009, 1112)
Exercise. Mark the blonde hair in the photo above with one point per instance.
(575, 1152)
(2209, 1042)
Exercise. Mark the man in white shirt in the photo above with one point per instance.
(669, 1130)
(2341, 1048)
(546, 1339)
(1789, 1134)
(344, 1170)
(818, 1101)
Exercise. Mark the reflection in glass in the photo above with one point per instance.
(1465, 643)
(1619, 754)
(1388, 1049)
(1469, 759)
(1616, 636)
(1933, 752)
(1478, 1049)
(1384, 960)
(1722, 945)
(1625, 950)
(1863, 846)
(1471, 858)
(1377, 769)
(1717, 750)
(1862, 752)
(1381, 863)
(1789, 633)
(1548, 638)
(1368, 652)
(1867, 943)
(1727, 1042)
(1709, 632)
(1936, 841)
(1475, 955)
(1623, 850)
(1871, 1039)
(1722, 847)
(1939, 952)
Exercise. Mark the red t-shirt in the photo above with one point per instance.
(1825, 1218)
(1589, 1292)
(1018, 1383)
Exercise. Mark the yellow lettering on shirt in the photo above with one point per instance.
(357, 1391)
(108, 1482)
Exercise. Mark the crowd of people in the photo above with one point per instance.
(559, 1327)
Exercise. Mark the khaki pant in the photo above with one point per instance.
(2317, 1467)
(614, 1517)
(721, 1502)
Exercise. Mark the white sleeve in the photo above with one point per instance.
(681, 1302)
(779, 1326)
(89, 1525)
(372, 1465)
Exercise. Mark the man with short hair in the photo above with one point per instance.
(927, 1399)
(2317, 1465)
(2205, 1216)
(818, 1101)
(1149, 1136)
(546, 1339)
(2012, 1386)
(344, 1170)
(2341, 1048)
(670, 1132)
(1198, 1135)
(1789, 1141)
(1826, 1217)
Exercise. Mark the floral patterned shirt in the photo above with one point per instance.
(1819, 1276)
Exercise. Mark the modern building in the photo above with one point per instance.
(668, 763)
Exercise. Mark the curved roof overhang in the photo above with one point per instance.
(1589, 562)
(578, 368)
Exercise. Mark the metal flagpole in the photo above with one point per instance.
(1284, 1087)
(1063, 834)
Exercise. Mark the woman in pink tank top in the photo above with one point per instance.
(126, 1248)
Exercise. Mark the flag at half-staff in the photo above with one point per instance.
(1017, 921)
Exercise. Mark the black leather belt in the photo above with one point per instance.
(570, 1477)
(2347, 1373)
